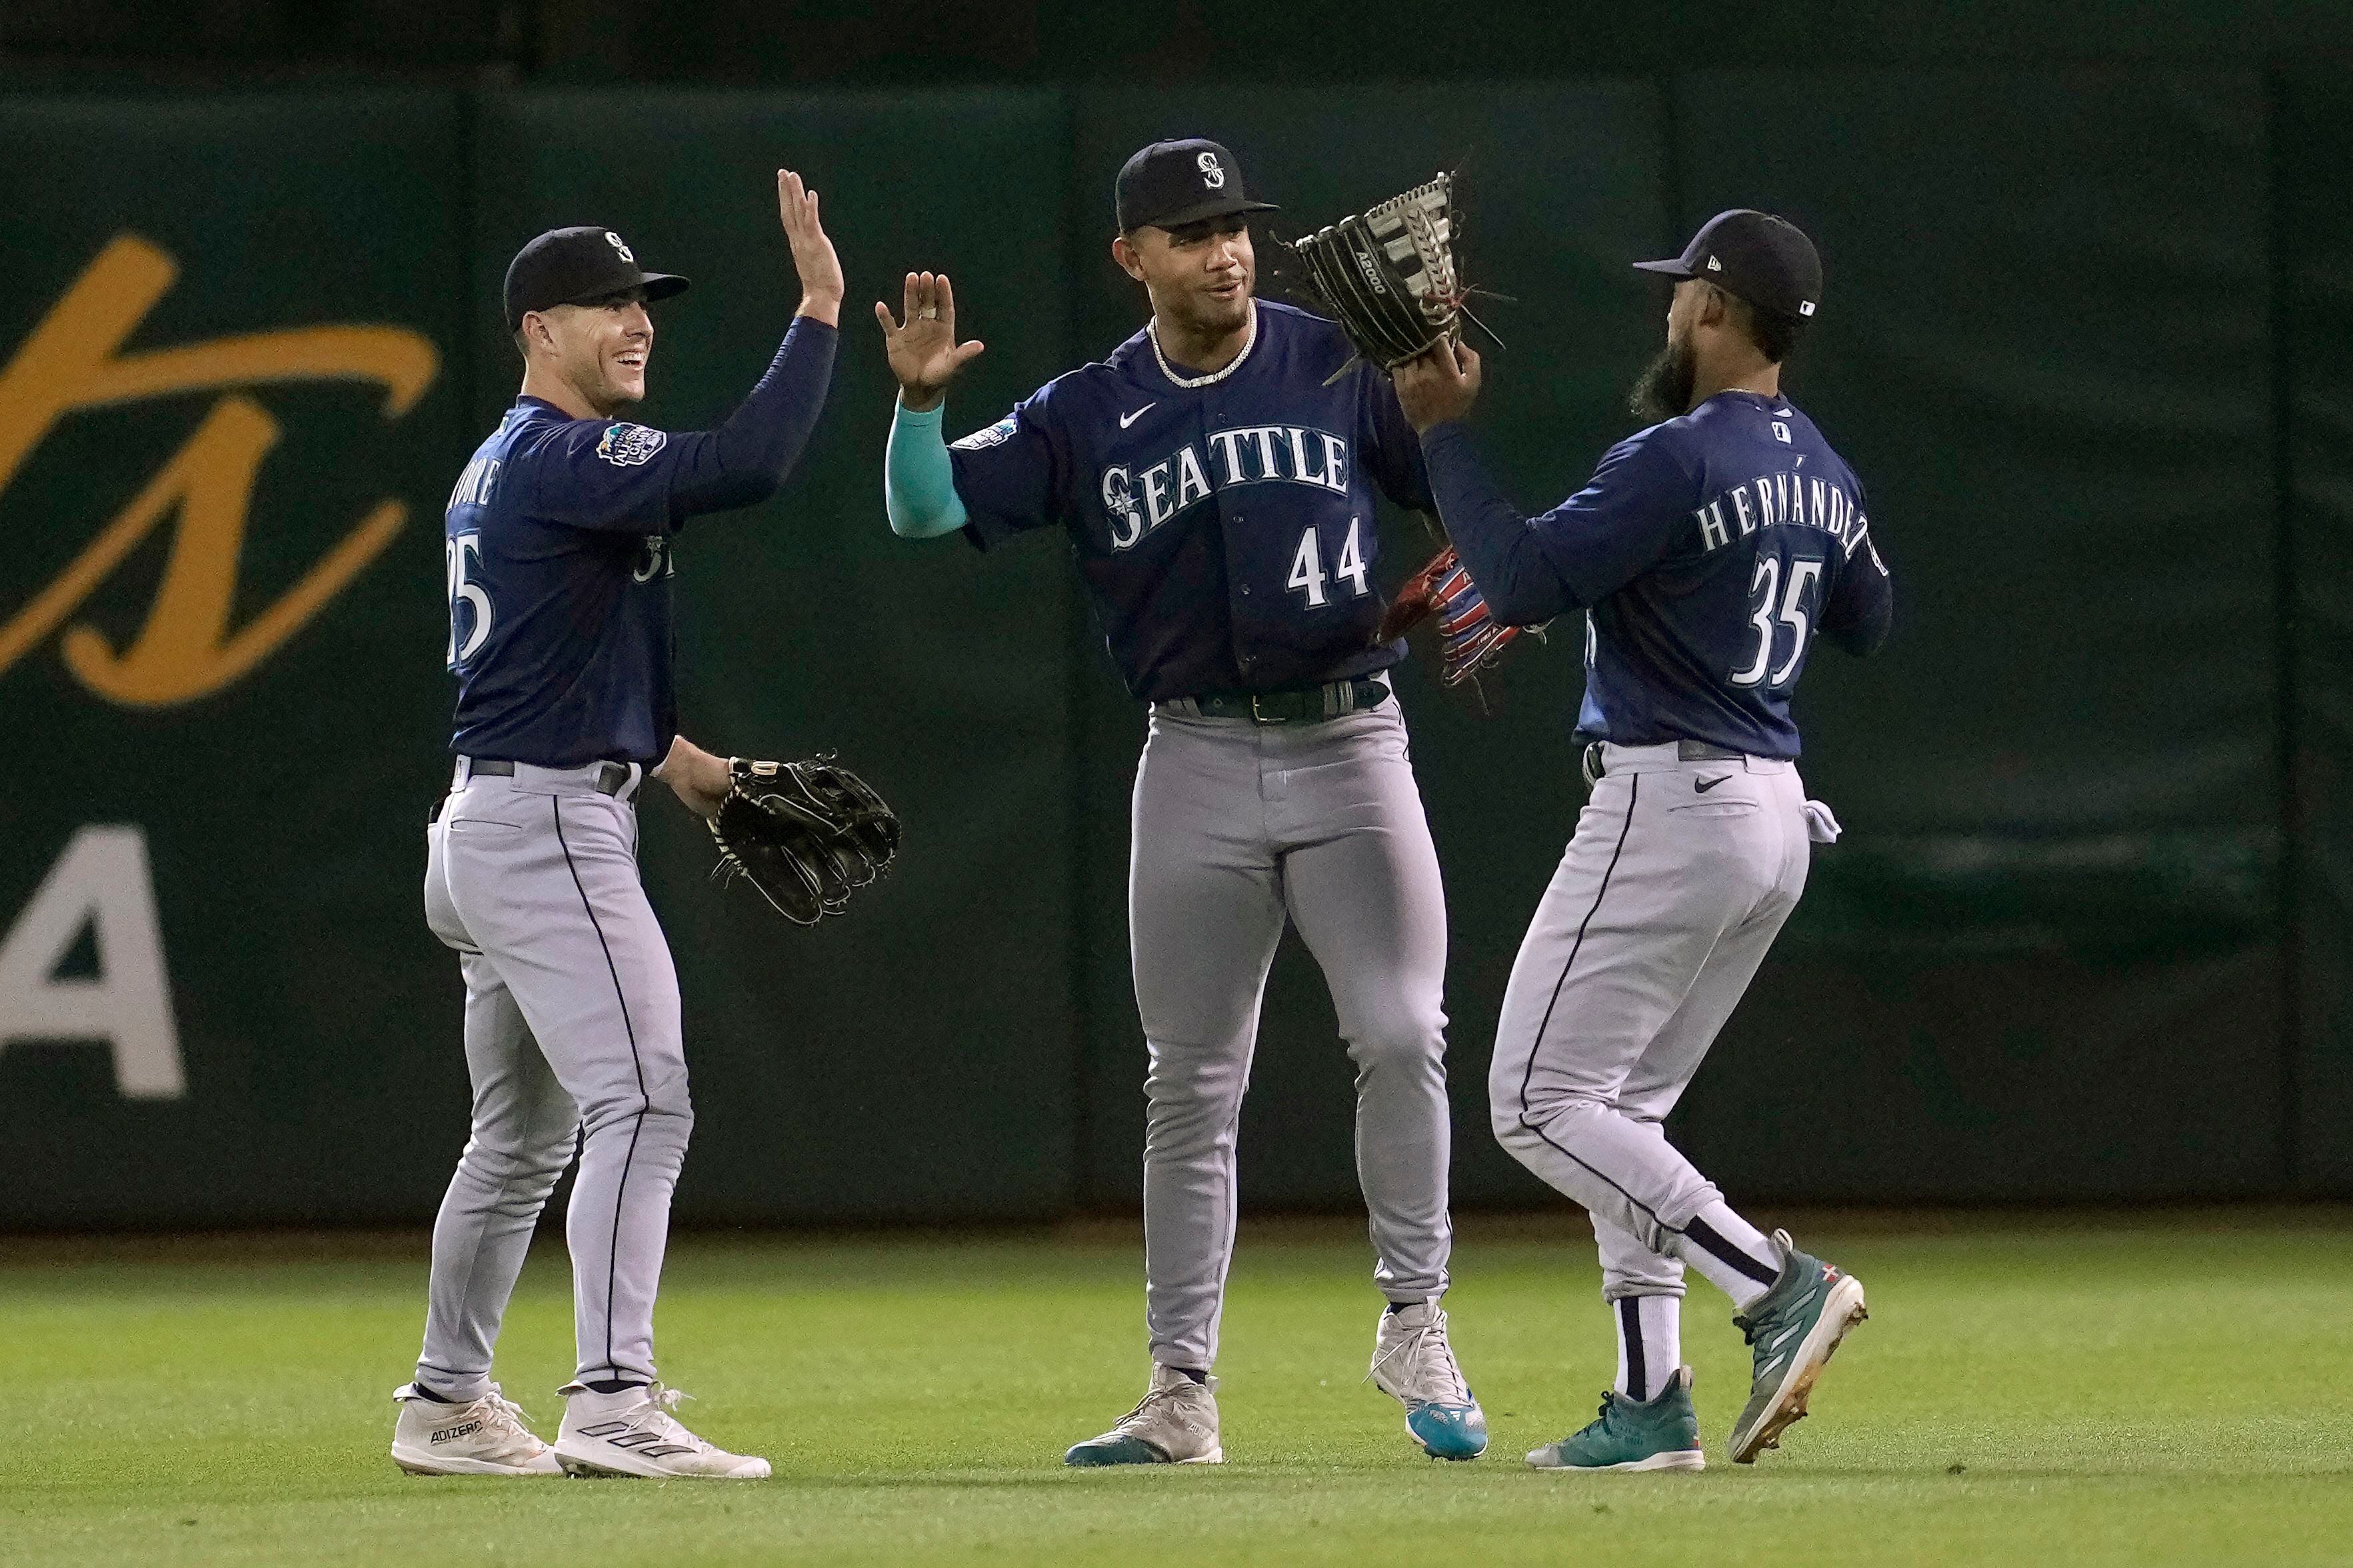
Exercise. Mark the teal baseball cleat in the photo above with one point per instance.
(1176, 1424)
(1661, 1434)
(1413, 1364)
(1794, 1328)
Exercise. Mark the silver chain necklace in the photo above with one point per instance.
(1152, 331)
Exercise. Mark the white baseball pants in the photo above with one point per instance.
(572, 1035)
(1238, 826)
(1678, 878)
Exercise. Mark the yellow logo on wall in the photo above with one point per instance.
(72, 361)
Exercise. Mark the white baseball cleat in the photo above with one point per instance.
(484, 1436)
(1414, 1364)
(1176, 1423)
(633, 1433)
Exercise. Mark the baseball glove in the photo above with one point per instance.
(1387, 276)
(805, 834)
(1469, 641)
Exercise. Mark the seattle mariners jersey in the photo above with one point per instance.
(558, 547)
(1707, 551)
(1224, 523)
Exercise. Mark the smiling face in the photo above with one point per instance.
(1200, 275)
(598, 351)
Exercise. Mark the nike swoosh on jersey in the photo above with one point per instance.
(1701, 786)
(1127, 420)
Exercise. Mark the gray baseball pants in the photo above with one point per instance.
(1663, 908)
(572, 1037)
(1236, 826)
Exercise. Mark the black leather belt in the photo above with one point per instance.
(612, 778)
(1309, 705)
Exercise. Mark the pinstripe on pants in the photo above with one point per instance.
(1661, 911)
(572, 1033)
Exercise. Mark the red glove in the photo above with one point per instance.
(1470, 640)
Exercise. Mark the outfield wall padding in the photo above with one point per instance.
(2084, 939)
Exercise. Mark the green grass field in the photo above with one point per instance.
(2169, 1389)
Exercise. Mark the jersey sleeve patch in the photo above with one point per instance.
(995, 435)
(630, 445)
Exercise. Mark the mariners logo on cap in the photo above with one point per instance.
(615, 240)
(1213, 174)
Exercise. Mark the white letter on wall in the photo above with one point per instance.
(102, 881)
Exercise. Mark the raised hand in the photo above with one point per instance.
(1440, 385)
(812, 257)
(925, 354)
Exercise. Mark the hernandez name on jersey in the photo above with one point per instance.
(1710, 640)
(1225, 525)
(1746, 524)
(1707, 552)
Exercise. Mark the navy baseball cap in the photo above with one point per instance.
(1171, 184)
(1766, 260)
(574, 266)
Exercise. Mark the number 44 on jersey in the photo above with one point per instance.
(1307, 573)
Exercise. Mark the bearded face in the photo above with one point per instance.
(1664, 388)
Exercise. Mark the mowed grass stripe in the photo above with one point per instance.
(2139, 1389)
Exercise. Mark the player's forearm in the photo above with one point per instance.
(1862, 613)
(1499, 550)
(918, 477)
(749, 456)
(1867, 633)
(700, 779)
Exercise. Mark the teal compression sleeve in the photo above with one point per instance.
(918, 481)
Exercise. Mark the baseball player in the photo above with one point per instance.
(1215, 476)
(1707, 552)
(560, 535)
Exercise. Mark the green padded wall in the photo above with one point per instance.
(2314, 160)
(2085, 938)
(2045, 962)
(282, 820)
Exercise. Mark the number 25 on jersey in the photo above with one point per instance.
(469, 603)
(1307, 567)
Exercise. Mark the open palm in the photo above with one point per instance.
(925, 354)
(813, 254)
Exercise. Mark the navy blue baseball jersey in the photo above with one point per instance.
(1707, 552)
(1224, 524)
(558, 551)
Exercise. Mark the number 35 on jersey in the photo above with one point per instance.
(1771, 607)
